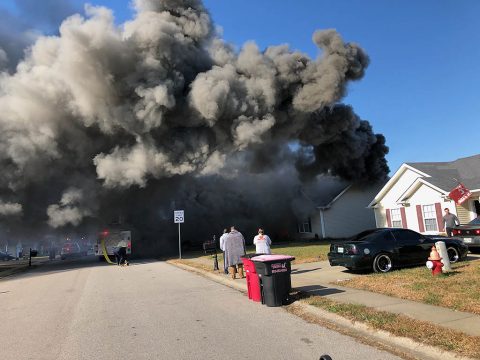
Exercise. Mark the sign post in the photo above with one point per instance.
(179, 218)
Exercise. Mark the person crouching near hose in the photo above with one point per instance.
(234, 249)
(121, 253)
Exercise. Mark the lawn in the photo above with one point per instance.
(303, 252)
(457, 290)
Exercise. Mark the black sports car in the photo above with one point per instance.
(384, 249)
(470, 234)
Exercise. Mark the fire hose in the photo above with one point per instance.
(105, 255)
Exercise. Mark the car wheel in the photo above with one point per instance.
(382, 263)
(453, 254)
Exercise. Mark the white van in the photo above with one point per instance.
(112, 238)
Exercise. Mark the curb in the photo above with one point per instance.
(400, 344)
(19, 269)
(10, 272)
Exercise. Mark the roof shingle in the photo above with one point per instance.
(446, 175)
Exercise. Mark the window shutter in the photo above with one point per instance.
(404, 218)
(389, 219)
(438, 210)
(421, 226)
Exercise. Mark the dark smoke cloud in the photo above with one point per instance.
(161, 113)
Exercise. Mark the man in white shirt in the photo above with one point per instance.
(222, 247)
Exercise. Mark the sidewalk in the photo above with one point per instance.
(316, 278)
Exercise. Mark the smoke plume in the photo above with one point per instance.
(10, 208)
(160, 113)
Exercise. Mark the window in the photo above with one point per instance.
(430, 218)
(396, 218)
(305, 227)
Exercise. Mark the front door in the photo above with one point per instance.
(476, 207)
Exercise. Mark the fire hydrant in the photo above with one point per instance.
(435, 262)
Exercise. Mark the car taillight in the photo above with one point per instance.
(477, 231)
(351, 249)
(456, 232)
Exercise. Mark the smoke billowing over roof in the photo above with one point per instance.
(160, 113)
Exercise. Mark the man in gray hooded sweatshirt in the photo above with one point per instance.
(234, 249)
(449, 221)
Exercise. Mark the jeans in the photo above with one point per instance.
(121, 255)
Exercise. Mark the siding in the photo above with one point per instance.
(390, 198)
(316, 225)
(425, 195)
(380, 218)
(349, 214)
(463, 212)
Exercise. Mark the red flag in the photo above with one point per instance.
(460, 194)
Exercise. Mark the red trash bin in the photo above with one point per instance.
(253, 281)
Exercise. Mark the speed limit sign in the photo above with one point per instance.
(178, 216)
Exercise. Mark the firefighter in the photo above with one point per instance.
(121, 253)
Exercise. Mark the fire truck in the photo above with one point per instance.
(110, 239)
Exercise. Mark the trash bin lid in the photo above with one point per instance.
(250, 256)
(267, 258)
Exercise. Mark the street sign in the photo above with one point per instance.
(178, 216)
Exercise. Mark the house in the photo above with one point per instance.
(338, 209)
(417, 194)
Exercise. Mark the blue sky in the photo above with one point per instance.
(421, 89)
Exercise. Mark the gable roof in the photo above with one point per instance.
(446, 175)
(324, 190)
(393, 180)
(442, 176)
(415, 186)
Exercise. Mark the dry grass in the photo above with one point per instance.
(198, 265)
(401, 325)
(458, 290)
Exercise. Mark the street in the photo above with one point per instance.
(83, 309)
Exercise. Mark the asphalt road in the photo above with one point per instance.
(82, 309)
